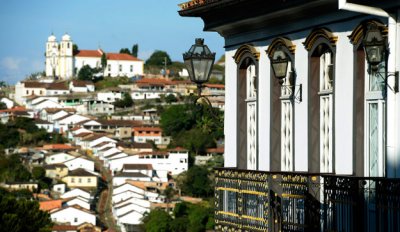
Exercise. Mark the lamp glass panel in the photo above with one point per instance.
(280, 69)
(374, 54)
(202, 68)
(189, 67)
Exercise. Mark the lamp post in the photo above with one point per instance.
(374, 46)
(199, 61)
(375, 51)
(279, 64)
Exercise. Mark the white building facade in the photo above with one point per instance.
(331, 112)
(63, 62)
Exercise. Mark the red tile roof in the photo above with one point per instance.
(215, 150)
(110, 56)
(178, 149)
(58, 147)
(147, 129)
(50, 205)
(89, 53)
(217, 86)
(121, 56)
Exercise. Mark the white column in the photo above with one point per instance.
(391, 136)
(263, 110)
(344, 87)
(395, 52)
(230, 122)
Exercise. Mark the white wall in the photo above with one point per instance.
(73, 216)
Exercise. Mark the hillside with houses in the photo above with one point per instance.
(100, 157)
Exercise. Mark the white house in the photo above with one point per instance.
(120, 178)
(8, 102)
(76, 192)
(80, 201)
(42, 124)
(58, 158)
(79, 162)
(110, 95)
(174, 162)
(74, 215)
(59, 188)
(79, 86)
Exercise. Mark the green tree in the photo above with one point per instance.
(158, 58)
(75, 48)
(38, 173)
(157, 221)
(170, 98)
(177, 118)
(3, 106)
(196, 182)
(22, 215)
(198, 218)
(125, 51)
(103, 62)
(3, 84)
(135, 50)
(86, 73)
(126, 101)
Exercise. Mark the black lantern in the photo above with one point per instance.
(279, 63)
(199, 61)
(374, 46)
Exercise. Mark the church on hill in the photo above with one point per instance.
(64, 63)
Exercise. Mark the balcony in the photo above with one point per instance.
(248, 200)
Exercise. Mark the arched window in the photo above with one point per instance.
(369, 109)
(246, 58)
(321, 47)
(282, 110)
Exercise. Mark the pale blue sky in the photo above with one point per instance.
(153, 24)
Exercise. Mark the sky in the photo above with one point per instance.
(25, 26)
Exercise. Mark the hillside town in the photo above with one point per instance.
(107, 160)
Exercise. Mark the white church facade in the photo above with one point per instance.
(64, 63)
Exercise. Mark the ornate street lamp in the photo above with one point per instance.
(375, 51)
(374, 46)
(279, 64)
(199, 61)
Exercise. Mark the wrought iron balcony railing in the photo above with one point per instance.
(248, 200)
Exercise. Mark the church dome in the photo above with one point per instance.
(51, 38)
(66, 37)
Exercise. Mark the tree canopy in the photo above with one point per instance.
(158, 58)
(192, 126)
(187, 217)
(22, 215)
(87, 73)
(125, 51)
(135, 50)
(126, 101)
(196, 182)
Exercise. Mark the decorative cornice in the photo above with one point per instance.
(242, 50)
(318, 33)
(358, 33)
(283, 42)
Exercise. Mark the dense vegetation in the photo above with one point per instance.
(111, 82)
(23, 131)
(126, 101)
(192, 126)
(187, 217)
(196, 182)
(11, 169)
(18, 213)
